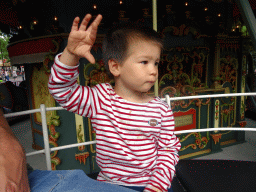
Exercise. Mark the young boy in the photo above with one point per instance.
(136, 146)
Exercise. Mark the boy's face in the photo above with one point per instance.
(139, 71)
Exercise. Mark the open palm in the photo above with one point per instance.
(81, 40)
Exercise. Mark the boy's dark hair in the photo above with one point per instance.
(116, 42)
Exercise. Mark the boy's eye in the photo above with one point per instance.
(157, 63)
(144, 62)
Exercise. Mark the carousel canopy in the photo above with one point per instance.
(29, 18)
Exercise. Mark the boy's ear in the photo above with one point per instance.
(114, 67)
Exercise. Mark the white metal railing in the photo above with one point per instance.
(47, 150)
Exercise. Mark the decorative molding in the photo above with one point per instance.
(182, 30)
(242, 104)
(95, 74)
(217, 114)
(185, 120)
(242, 123)
(28, 59)
(200, 141)
(55, 161)
(81, 157)
(40, 93)
(34, 50)
(185, 66)
(216, 138)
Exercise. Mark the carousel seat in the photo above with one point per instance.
(217, 175)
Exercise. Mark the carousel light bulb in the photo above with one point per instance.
(237, 26)
(219, 15)
(55, 18)
(94, 6)
(35, 22)
(205, 8)
(121, 2)
(20, 27)
(186, 4)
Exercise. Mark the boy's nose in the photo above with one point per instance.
(153, 70)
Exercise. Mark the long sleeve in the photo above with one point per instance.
(65, 90)
(168, 148)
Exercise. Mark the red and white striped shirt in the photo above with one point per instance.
(136, 145)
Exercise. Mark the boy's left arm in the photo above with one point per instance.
(168, 148)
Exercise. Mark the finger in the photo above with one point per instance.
(85, 22)
(75, 24)
(95, 23)
(98, 19)
(94, 27)
(90, 58)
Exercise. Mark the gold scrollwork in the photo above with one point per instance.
(90, 135)
(200, 141)
(55, 161)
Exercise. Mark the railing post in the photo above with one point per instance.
(154, 6)
(46, 138)
(168, 101)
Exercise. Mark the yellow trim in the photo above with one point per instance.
(199, 119)
(90, 135)
(228, 142)
(195, 154)
(216, 121)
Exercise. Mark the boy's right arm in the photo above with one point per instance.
(64, 72)
(65, 90)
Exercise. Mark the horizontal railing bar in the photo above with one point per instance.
(73, 145)
(35, 153)
(215, 129)
(54, 108)
(22, 113)
(172, 99)
(176, 132)
(31, 111)
(62, 147)
(210, 96)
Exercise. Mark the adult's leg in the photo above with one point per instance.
(68, 180)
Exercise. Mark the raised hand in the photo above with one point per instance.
(81, 39)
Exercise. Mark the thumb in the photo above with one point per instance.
(90, 58)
